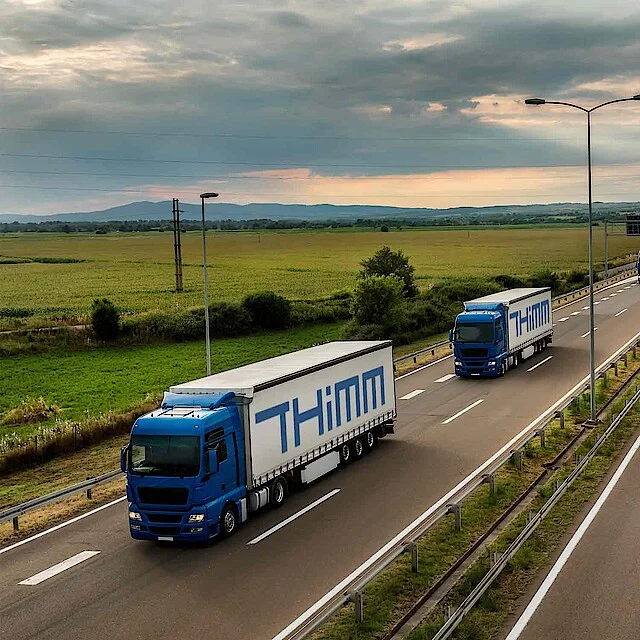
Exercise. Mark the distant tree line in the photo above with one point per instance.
(384, 224)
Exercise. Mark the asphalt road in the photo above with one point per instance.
(231, 590)
(596, 593)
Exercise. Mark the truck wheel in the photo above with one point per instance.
(369, 440)
(358, 448)
(228, 521)
(345, 453)
(278, 492)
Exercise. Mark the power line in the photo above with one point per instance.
(295, 164)
(282, 178)
(250, 136)
(295, 195)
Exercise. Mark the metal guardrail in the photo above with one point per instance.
(350, 589)
(620, 274)
(489, 578)
(13, 513)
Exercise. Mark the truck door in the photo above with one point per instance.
(226, 479)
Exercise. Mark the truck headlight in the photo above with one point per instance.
(492, 363)
(457, 363)
(196, 517)
(134, 515)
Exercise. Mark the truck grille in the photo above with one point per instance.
(173, 518)
(163, 495)
(165, 531)
(474, 352)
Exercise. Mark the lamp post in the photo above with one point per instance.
(592, 369)
(203, 197)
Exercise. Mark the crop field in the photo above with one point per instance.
(136, 270)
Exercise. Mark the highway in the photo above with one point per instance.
(231, 589)
(592, 591)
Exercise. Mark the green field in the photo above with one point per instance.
(136, 270)
(87, 383)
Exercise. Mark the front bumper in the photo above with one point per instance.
(480, 368)
(162, 526)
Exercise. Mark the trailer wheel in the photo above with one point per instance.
(369, 440)
(358, 448)
(345, 453)
(278, 492)
(229, 521)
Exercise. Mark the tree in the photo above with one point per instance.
(268, 310)
(377, 300)
(386, 262)
(105, 319)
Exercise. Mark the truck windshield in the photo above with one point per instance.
(165, 455)
(478, 332)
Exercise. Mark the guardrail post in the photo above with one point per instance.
(560, 414)
(413, 548)
(615, 369)
(541, 433)
(16, 526)
(358, 600)
(456, 510)
(625, 359)
(490, 479)
(89, 491)
(517, 457)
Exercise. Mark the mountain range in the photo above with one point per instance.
(145, 210)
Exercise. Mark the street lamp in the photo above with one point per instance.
(541, 101)
(203, 197)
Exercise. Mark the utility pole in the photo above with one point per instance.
(177, 244)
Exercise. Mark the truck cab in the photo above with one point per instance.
(480, 346)
(185, 470)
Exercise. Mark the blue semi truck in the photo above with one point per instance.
(234, 442)
(495, 332)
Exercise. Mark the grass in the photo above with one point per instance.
(88, 383)
(136, 270)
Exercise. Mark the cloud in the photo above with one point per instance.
(372, 87)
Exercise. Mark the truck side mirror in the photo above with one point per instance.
(212, 461)
(123, 458)
(450, 335)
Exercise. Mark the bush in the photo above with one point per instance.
(320, 311)
(510, 282)
(578, 278)
(354, 331)
(545, 278)
(105, 319)
(29, 411)
(228, 320)
(268, 310)
(385, 262)
(376, 300)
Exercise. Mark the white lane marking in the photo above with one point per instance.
(61, 525)
(554, 324)
(358, 571)
(535, 366)
(413, 394)
(596, 302)
(584, 335)
(59, 568)
(604, 299)
(426, 366)
(627, 287)
(563, 319)
(568, 550)
(585, 308)
(575, 313)
(447, 377)
(457, 415)
(634, 284)
(613, 295)
(622, 290)
(284, 523)
(619, 313)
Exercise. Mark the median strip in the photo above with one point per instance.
(457, 415)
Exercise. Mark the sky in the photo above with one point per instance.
(397, 102)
